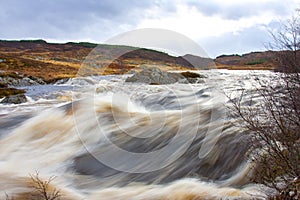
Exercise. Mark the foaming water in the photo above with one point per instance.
(119, 140)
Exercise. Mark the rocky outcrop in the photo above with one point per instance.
(155, 76)
(14, 99)
(11, 95)
(20, 80)
(8, 81)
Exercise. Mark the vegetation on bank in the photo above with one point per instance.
(5, 92)
(272, 125)
(39, 190)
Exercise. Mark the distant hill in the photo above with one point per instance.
(199, 62)
(253, 60)
(51, 61)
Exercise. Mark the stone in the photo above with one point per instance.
(14, 99)
(155, 76)
(19, 80)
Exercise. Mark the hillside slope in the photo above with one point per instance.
(55, 61)
(253, 61)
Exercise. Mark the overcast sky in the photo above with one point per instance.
(218, 26)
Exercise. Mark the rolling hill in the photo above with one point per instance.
(51, 61)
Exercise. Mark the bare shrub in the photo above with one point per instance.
(42, 189)
(286, 45)
(272, 124)
(39, 189)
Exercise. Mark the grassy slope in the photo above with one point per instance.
(55, 61)
(250, 61)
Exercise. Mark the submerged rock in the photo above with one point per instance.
(155, 76)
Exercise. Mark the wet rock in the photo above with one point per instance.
(37, 80)
(62, 81)
(193, 77)
(15, 99)
(155, 76)
(19, 80)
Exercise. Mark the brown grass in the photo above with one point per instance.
(56, 61)
(4, 92)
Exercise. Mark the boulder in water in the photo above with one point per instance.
(155, 76)
(192, 77)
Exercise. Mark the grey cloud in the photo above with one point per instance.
(254, 38)
(64, 18)
(99, 20)
(241, 10)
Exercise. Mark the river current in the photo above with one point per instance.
(103, 138)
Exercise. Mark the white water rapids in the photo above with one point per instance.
(103, 138)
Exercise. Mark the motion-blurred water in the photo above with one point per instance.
(106, 139)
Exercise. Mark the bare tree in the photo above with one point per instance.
(42, 189)
(273, 125)
(286, 45)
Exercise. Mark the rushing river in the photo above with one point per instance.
(103, 138)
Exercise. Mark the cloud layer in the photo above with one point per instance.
(218, 26)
